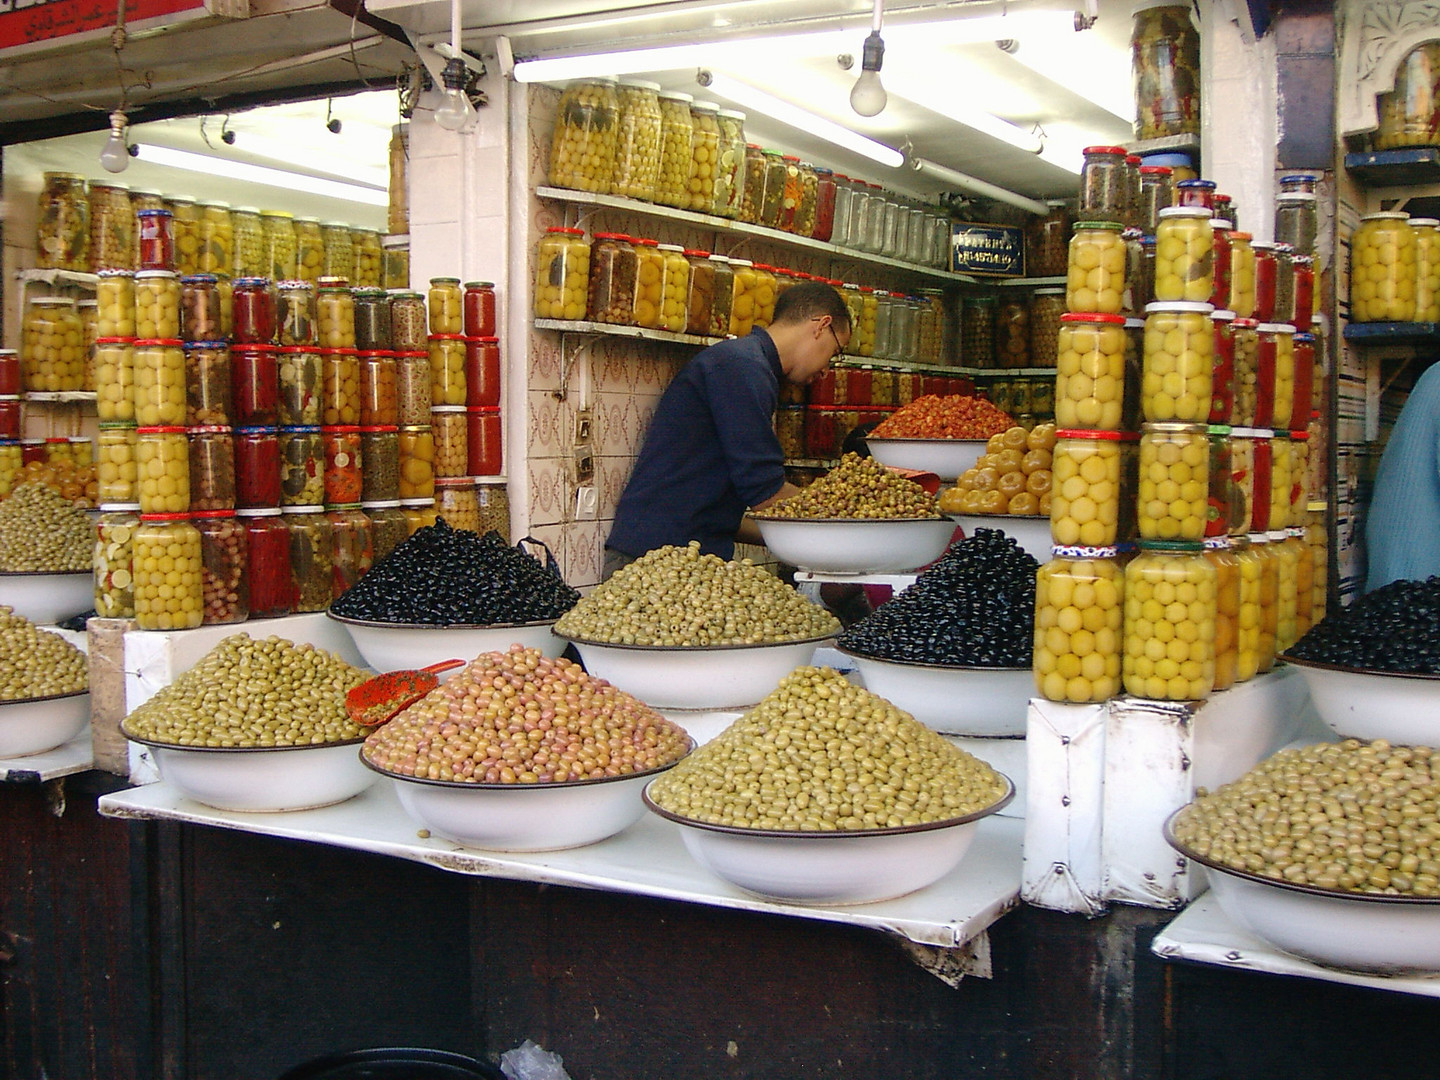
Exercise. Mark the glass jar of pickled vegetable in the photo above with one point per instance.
(295, 313)
(1220, 236)
(753, 184)
(379, 462)
(114, 559)
(479, 300)
(1012, 334)
(1095, 280)
(200, 308)
(418, 513)
(167, 562)
(339, 387)
(1245, 335)
(339, 252)
(255, 385)
(1304, 359)
(1165, 61)
(1178, 362)
(1156, 193)
(583, 148)
(614, 265)
(672, 183)
(1173, 497)
(298, 386)
(1242, 275)
(772, 197)
(378, 402)
(212, 469)
(446, 305)
(387, 525)
(637, 139)
(312, 556)
(447, 425)
(809, 195)
(1079, 611)
(309, 249)
(1184, 255)
(1282, 479)
(369, 254)
(268, 570)
(1409, 115)
(1085, 487)
(335, 314)
(257, 467)
(372, 319)
(743, 297)
(482, 372)
(115, 381)
(342, 464)
(484, 438)
(729, 165)
(722, 298)
(1090, 372)
(1262, 550)
(412, 388)
(302, 466)
(1297, 221)
(764, 294)
(116, 466)
(1103, 185)
(409, 322)
(112, 228)
(250, 255)
(1170, 611)
(1227, 610)
(281, 245)
(562, 274)
(455, 502)
(649, 280)
(159, 382)
(447, 369)
(354, 547)
(704, 152)
(417, 461)
(217, 239)
(1383, 259)
(62, 230)
(1222, 368)
(253, 310)
(1304, 558)
(115, 304)
(52, 353)
(674, 290)
(700, 294)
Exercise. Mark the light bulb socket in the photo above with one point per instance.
(455, 74)
(874, 52)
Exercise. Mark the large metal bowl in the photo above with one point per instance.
(1361, 704)
(1385, 935)
(974, 701)
(34, 725)
(1031, 532)
(946, 458)
(397, 646)
(263, 779)
(48, 598)
(525, 817)
(696, 677)
(856, 546)
(824, 868)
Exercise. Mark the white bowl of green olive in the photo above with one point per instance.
(48, 598)
(979, 702)
(34, 725)
(856, 545)
(859, 866)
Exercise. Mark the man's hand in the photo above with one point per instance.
(749, 533)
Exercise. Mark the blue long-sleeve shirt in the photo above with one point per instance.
(710, 453)
(1402, 528)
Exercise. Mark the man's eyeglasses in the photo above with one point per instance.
(838, 347)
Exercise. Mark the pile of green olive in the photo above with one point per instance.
(35, 663)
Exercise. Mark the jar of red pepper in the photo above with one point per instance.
(1303, 267)
(342, 464)
(1222, 360)
(156, 239)
(257, 468)
(252, 311)
(1220, 261)
(480, 309)
(1267, 267)
(1304, 354)
(9, 372)
(482, 372)
(255, 385)
(10, 417)
(824, 204)
(484, 437)
(272, 586)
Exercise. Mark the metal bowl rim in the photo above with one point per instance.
(350, 620)
(43, 698)
(695, 648)
(538, 785)
(928, 664)
(1347, 669)
(238, 749)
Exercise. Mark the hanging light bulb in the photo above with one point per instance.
(868, 97)
(456, 112)
(116, 154)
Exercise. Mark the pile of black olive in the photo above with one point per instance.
(1395, 628)
(442, 576)
(973, 608)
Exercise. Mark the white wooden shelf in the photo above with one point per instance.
(57, 277)
(74, 757)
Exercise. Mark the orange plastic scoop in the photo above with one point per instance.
(378, 699)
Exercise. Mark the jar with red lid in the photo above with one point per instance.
(379, 463)
(1220, 261)
(1304, 360)
(167, 562)
(482, 372)
(417, 461)
(378, 404)
(200, 308)
(257, 468)
(300, 386)
(9, 372)
(412, 388)
(312, 556)
(225, 557)
(485, 439)
(9, 418)
(255, 385)
(1303, 268)
(447, 423)
(116, 467)
(354, 546)
(208, 382)
(342, 464)
(447, 369)
(159, 382)
(162, 457)
(252, 311)
(339, 387)
(295, 313)
(272, 584)
(1103, 184)
(387, 525)
(1275, 365)
(212, 469)
(1222, 368)
(480, 309)
(302, 466)
(156, 236)
(1267, 268)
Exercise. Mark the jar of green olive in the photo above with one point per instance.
(167, 571)
(1079, 608)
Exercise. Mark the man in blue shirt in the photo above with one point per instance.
(711, 452)
(1402, 527)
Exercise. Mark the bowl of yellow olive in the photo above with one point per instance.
(1339, 892)
(524, 752)
(257, 726)
(44, 701)
(777, 805)
(34, 725)
(684, 630)
(48, 598)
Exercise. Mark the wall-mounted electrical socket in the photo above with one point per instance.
(584, 426)
(585, 502)
(584, 465)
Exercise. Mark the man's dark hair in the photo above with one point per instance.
(808, 299)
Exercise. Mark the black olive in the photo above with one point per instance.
(1395, 628)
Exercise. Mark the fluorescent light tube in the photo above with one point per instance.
(262, 174)
(803, 120)
(976, 186)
